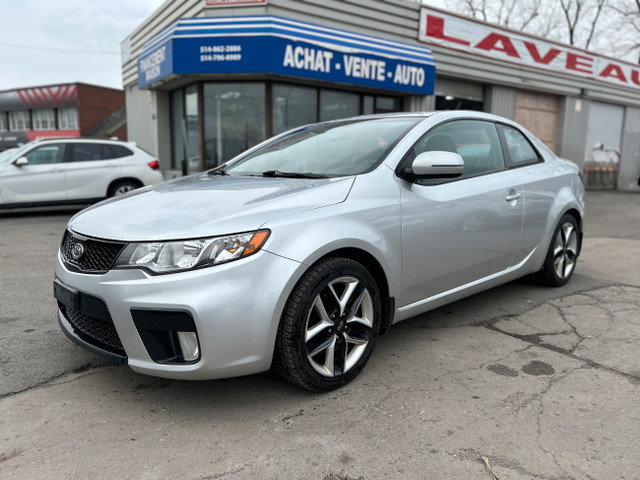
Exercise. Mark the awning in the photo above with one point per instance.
(280, 46)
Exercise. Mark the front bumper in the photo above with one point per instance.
(236, 308)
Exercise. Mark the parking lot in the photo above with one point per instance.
(543, 383)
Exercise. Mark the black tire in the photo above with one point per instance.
(120, 188)
(336, 336)
(563, 252)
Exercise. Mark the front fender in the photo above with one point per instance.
(368, 220)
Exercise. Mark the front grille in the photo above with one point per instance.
(100, 333)
(98, 256)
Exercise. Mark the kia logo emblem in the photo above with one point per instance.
(77, 251)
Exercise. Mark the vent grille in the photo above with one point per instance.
(98, 256)
(101, 333)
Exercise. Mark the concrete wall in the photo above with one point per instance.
(630, 150)
(573, 118)
(500, 100)
(141, 118)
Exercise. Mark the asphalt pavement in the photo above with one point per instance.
(521, 381)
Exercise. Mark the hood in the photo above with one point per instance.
(205, 206)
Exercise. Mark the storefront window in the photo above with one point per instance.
(388, 104)
(367, 105)
(234, 119)
(3, 121)
(293, 106)
(68, 118)
(335, 104)
(19, 121)
(44, 119)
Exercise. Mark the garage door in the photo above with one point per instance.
(605, 125)
(539, 113)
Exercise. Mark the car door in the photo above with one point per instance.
(541, 183)
(41, 180)
(462, 230)
(91, 167)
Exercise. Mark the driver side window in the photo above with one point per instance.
(476, 141)
(46, 154)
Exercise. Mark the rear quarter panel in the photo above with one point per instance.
(550, 190)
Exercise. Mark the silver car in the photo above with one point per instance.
(298, 253)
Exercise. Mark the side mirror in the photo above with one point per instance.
(20, 162)
(437, 165)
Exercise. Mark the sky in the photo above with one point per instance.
(66, 41)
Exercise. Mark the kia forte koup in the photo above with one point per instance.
(298, 253)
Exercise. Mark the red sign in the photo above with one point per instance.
(477, 38)
(234, 3)
(44, 134)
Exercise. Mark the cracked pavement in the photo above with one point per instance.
(543, 382)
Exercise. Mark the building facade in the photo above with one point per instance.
(206, 79)
(68, 110)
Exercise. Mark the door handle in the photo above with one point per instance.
(513, 196)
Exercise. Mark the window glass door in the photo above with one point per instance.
(335, 104)
(234, 119)
(293, 106)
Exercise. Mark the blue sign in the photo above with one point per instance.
(273, 45)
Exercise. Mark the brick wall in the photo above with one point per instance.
(95, 104)
(121, 133)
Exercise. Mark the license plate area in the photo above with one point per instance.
(65, 295)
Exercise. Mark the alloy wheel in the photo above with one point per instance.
(122, 189)
(339, 326)
(565, 251)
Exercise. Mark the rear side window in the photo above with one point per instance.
(119, 151)
(520, 151)
(85, 152)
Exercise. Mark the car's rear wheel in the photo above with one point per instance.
(562, 255)
(329, 326)
(123, 187)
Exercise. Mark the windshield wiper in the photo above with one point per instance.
(217, 171)
(278, 173)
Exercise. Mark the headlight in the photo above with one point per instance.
(169, 257)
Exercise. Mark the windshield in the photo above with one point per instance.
(332, 149)
(13, 153)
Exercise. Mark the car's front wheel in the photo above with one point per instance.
(329, 326)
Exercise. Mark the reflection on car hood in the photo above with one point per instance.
(204, 205)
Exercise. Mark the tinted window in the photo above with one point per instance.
(520, 150)
(106, 152)
(293, 106)
(118, 151)
(335, 104)
(46, 154)
(477, 142)
(85, 152)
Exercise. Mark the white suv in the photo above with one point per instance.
(69, 171)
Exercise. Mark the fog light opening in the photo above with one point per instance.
(189, 346)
